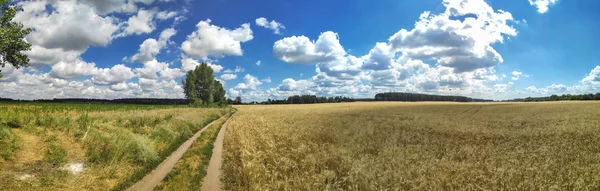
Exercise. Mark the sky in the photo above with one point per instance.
(270, 49)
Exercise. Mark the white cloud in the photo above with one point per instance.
(542, 5)
(150, 69)
(68, 25)
(227, 77)
(71, 70)
(151, 47)
(273, 25)
(188, 64)
(290, 84)
(39, 55)
(117, 74)
(164, 15)
(258, 63)
(211, 40)
(266, 80)
(463, 45)
(516, 75)
(109, 6)
(141, 23)
(250, 83)
(148, 50)
(301, 50)
(237, 69)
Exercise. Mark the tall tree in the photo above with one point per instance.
(12, 33)
(204, 83)
(219, 92)
(189, 85)
(200, 86)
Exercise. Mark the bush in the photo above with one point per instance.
(9, 143)
(104, 148)
(56, 155)
(196, 102)
(138, 149)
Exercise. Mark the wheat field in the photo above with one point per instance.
(414, 146)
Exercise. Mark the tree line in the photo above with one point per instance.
(400, 96)
(554, 97)
(307, 99)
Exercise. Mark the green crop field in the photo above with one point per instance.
(90, 146)
(414, 146)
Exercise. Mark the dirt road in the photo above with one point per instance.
(212, 181)
(159, 173)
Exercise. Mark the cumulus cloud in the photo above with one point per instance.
(188, 64)
(151, 47)
(117, 74)
(301, 50)
(290, 84)
(211, 40)
(464, 45)
(71, 70)
(227, 77)
(155, 70)
(109, 6)
(64, 30)
(141, 23)
(250, 83)
(542, 5)
(68, 25)
(273, 25)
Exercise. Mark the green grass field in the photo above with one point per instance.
(90, 146)
(414, 146)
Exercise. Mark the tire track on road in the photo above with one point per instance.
(152, 179)
(212, 180)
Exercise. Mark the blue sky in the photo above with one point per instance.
(142, 48)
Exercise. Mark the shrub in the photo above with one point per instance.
(138, 149)
(55, 155)
(9, 143)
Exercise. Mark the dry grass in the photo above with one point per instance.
(117, 144)
(420, 146)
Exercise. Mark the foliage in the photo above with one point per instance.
(414, 146)
(55, 155)
(305, 99)
(200, 83)
(12, 43)
(398, 96)
(564, 97)
(9, 143)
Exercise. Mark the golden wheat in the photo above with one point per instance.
(414, 146)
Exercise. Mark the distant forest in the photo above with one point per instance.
(555, 97)
(306, 99)
(399, 96)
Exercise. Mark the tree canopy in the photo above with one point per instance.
(12, 34)
(201, 87)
